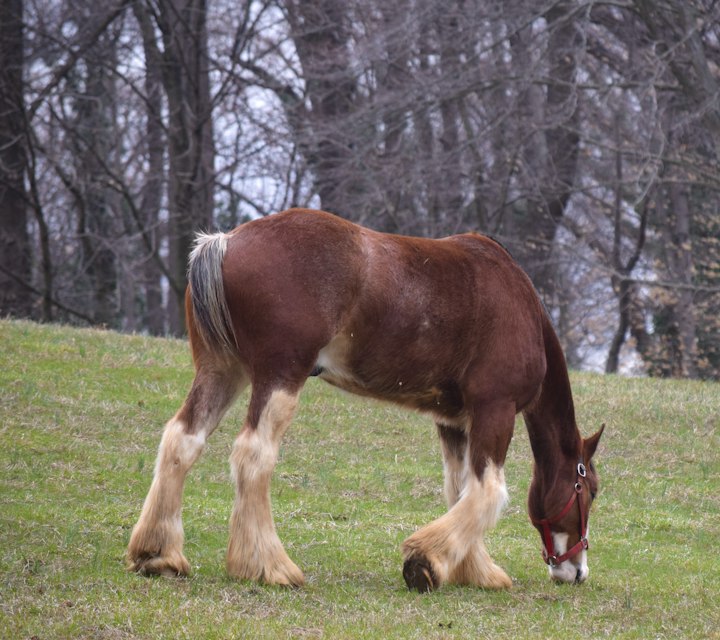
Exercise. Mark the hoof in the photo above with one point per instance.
(495, 578)
(419, 575)
(283, 572)
(292, 578)
(151, 565)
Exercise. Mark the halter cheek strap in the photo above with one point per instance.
(548, 552)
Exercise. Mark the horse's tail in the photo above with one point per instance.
(207, 293)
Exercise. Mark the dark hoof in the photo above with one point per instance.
(419, 575)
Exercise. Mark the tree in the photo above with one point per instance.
(584, 137)
(549, 116)
(319, 31)
(150, 201)
(671, 36)
(186, 81)
(14, 241)
(92, 135)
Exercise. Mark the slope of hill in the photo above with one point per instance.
(81, 414)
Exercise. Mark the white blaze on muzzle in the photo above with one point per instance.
(571, 570)
(566, 565)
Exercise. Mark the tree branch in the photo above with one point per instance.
(62, 71)
(46, 298)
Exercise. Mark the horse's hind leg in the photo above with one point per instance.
(451, 549)
(254, 550)
(156, 542)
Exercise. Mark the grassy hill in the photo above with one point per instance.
(81, 413)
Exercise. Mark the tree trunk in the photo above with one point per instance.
(151, 195)
(94, 156)
(320, 36)
(191, 149)
(681, 262)
(630, 315)
(392, 87)
(15, 297)
(550, 156)
(613, 359)
(449, 188)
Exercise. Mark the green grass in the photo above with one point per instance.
(81, 413)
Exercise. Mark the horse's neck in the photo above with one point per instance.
(550, 419)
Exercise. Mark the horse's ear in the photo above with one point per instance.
(590, 444)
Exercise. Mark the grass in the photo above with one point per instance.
(81, 414)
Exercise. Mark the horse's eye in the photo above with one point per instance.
(593, 494)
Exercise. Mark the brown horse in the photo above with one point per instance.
(450, 327)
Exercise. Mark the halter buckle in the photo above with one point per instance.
(582, 471)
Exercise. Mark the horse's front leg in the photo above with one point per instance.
(156, 542)
(454, 444)
(254, 550)
(451, 549)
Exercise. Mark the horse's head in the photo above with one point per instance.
(560, 511)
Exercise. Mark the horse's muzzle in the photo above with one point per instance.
(569, 573)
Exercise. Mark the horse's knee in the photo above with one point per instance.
(253, 457)
(256, 448)
(277, 414)
(487, 495)
(179, 449)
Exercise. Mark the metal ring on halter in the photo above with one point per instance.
(582, 472)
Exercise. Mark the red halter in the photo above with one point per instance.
(548, 551)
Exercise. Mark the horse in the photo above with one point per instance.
(449, 327)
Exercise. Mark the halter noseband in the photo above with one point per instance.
(548, 552)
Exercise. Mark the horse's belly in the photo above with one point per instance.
(333, 364)
(442, 398)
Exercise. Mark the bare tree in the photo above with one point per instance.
(186, 79)
(549, 118)
(14, 242)
(320, 33)
(582, 136)
(150, 205)
(683, 37)
(92, 127)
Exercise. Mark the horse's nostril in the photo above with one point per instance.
(578, 576)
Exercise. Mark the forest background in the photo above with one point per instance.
(583, 135)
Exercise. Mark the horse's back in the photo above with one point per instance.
(457, 317)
